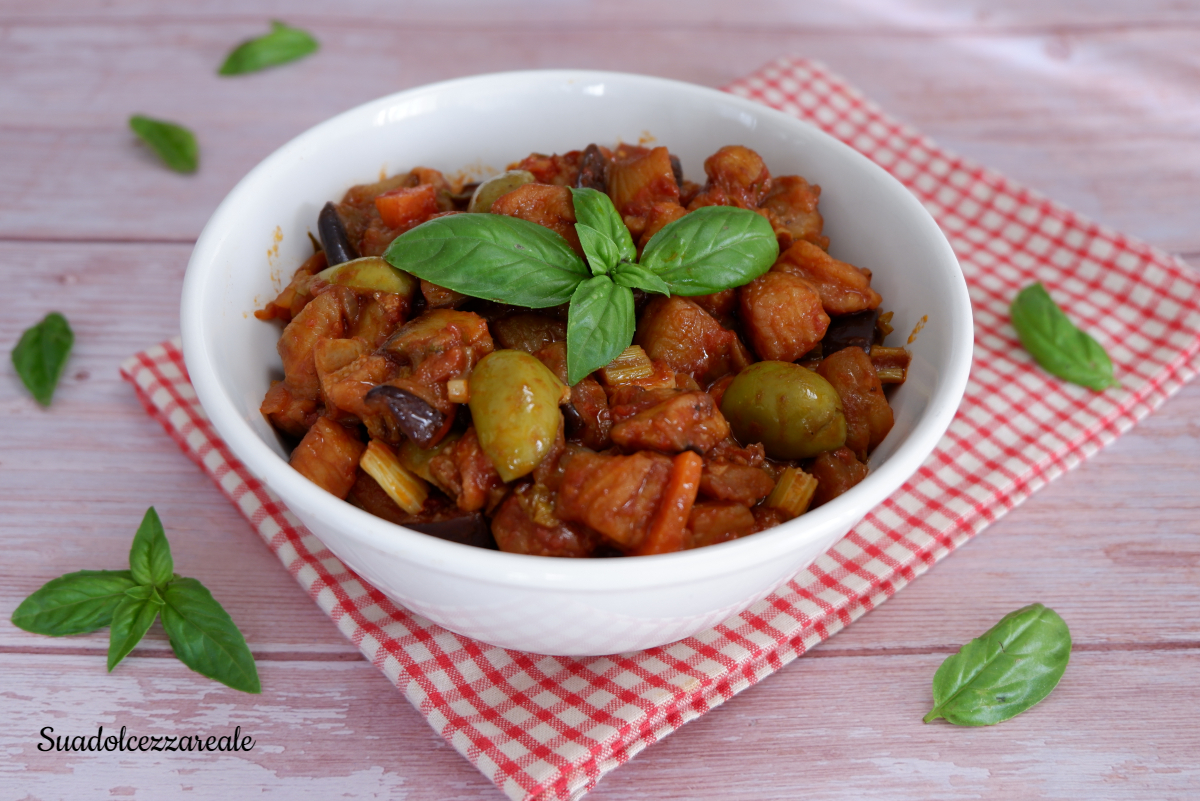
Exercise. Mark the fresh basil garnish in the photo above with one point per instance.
(595, 209)
(600, 324)
(205, 638)
(637, 277)
(41, 354)
(710, 249)
(491, 256)
(601, 252)
(202, 634)
(513, 261)
(1056, 344)
(76, 603)
(174, 144)
(1003, 672)
(281, 45)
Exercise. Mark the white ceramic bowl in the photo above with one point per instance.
(540, 604)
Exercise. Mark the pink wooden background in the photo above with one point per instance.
(1094, 102)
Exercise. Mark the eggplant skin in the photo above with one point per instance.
(334, 240)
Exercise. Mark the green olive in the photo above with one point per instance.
(491, 189)
(792, 411)
(370, 274)
(514, 403)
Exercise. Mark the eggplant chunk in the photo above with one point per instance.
(419, 421)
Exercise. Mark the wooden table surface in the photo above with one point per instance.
(1096, 103)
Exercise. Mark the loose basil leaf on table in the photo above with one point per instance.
(1056, 343)
(600, 324)
(205, 638)
(202, 634)
(174, 144)
(132, 618)
(76, 603)
(595, 209)
(281, 45)
(1003, 672)
(150, 555)
(491, 256)
(41, 354)
(710, 249)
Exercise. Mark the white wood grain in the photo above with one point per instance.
(918, 17)
(338, 731)
(1080, 115)
(1093, 103)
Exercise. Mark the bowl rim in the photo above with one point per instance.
(522, 570)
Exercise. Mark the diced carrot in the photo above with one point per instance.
(667, 528)
(408, 206)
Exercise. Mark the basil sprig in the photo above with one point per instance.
(510, 260)
(41, 354)
(174, 144)
(1056, 344)
(1003, 672)
(202, 634)
(281, 45)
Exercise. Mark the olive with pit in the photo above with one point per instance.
(493, 188)
(792, 411)
(370, 274)
(514, 403)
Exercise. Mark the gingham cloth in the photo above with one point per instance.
(549, 727)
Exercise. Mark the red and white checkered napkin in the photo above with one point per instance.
(549, 727)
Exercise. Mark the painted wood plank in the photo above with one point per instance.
(931, 16)
(1104, 121)
(325, 730)
(808, 738)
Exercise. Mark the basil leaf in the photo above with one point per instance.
(141, 592)
(41, 354)
(595, 209)
(635, 277)
(601, 251)
(600, 325)
(491, 256)
(710, 249)
(150, 556)
(174, 144)
(205, 638)
(132, 618)
(1008, 669)
(75, 603)
(1056, 344)
(281, 45)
